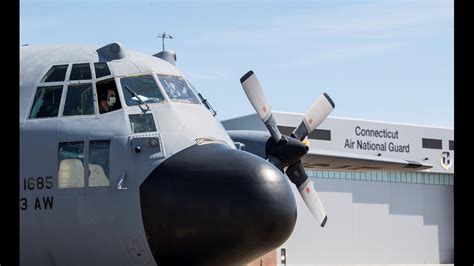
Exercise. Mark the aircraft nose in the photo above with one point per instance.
(215, 205)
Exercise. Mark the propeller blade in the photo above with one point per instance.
(305, 186)
(316, 114)
(313, 202)
(254, 93)
(283, 152)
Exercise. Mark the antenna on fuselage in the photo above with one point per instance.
(168, 56)
(163, 36)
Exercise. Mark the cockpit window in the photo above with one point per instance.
(79, 100)
(144, 86)
(177, 89)
(46, 103)
(142, 123)
(101, 70)
(80, 72)
(56, 73)
(108, 96)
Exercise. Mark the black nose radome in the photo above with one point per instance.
(210, 204)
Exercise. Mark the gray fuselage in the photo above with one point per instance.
(76, 209)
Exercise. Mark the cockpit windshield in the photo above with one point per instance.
(178, 89)
(144, 86)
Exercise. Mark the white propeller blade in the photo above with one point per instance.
(319, 110)
(254, 93)
(313, 202)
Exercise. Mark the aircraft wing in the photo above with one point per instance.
(321, 159)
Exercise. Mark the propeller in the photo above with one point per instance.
(256, 97)
(285, 152)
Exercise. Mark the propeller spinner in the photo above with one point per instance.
(286, 152)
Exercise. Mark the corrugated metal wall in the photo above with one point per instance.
(375, 222)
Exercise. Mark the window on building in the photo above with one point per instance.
(357, 175)
(432, 143)
(426, 179)
(370, 176)
(79, 100)
(71, 164)
(46, 102)
(409, 178)
(55, 73)
(99, 163)
(451, 145)
(286, 130)
(331, 174)
(420, 178)
(380, 175)
(351, 175)
(386, 176)
(441, 179)
(101, 69)
(320, 134)
(80, 72)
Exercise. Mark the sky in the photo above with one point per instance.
(380, 60)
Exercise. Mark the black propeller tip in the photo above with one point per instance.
(246, 76)
(330, 100)
(324, 221)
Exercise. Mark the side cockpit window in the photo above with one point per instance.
(79, 100)
(108, 96)
(46, 102)
(55, 74)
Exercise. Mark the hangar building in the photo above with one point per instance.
(373, 216)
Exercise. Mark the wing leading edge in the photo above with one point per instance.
(321, 159)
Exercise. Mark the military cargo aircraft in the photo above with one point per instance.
(123, 162)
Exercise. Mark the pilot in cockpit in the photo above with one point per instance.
(107, 101)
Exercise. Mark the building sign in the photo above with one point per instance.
(382, 140)
(446, 160)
